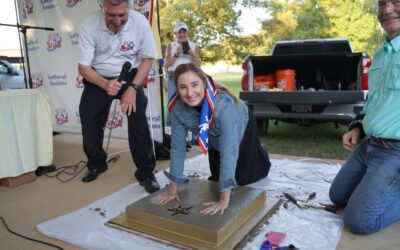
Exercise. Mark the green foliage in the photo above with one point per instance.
(307, 19)
(236, 48)
(357, 22)
(209, 21)
(312, 20)
(214, 24)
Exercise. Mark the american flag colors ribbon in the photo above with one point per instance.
(206, 113)
(206, 118)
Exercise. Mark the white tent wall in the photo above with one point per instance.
(53, 58)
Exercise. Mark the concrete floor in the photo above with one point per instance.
(25, 206)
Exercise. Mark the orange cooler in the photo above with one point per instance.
(285, 79)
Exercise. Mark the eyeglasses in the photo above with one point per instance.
(383, 4)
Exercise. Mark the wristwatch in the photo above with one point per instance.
(176, 55)
(136, 86)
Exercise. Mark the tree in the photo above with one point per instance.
(214, 24)
(356, 20)
(234, 49)
(209, 21)
(308, 19)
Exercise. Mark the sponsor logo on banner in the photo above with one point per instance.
(78, 117)
(48, 4)
(154, 122)
(127, 45)
(53, 41)
(79, 81)
(37, 80)
(115, 120)
(57, 80)
(33, 44)
(142, 3)
(142, 6)
(72, 3)
(74, 36)
(27, 8)
(151, 77)
(61, 116)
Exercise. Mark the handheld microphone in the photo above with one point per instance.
(124, 71)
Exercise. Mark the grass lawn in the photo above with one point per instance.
(320, 140)
(231, 80)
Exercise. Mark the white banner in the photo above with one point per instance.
(53, 58)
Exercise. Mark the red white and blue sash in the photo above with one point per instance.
(206, 114)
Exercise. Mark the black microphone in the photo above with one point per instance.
(125, 69)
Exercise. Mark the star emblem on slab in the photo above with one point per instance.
(180, 209)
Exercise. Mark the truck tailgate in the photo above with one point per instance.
(304, 97)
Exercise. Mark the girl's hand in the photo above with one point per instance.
(219, 206)
(179, 50)
(171, 194)
(191, 53)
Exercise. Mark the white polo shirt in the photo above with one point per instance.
(107, 51)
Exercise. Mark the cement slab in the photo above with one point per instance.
(247, 207)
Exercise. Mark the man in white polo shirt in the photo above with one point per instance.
(109, 38)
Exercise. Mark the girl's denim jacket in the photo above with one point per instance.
(225, 135)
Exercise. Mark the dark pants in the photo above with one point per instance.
(253, 162)
(94, 109)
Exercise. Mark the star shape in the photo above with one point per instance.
(180, 209)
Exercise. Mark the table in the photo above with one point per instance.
(26, 134)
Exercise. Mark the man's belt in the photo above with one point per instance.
(383, 141)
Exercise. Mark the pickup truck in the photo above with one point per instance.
(10, 76)
(331, 83)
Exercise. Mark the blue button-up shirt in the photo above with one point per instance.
(225, 135)
(382, 109)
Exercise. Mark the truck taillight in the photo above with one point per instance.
(244, 66)
(245, 85)
(244, 81)
(364, 81)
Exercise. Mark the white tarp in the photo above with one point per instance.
(305, 228)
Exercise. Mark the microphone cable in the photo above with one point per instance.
(28, 238)
(74, 170)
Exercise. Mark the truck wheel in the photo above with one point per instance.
(262, 125)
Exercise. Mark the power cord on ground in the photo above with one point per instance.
(26, 237)
(74, 170)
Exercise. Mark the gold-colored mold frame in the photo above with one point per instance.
(247, 207)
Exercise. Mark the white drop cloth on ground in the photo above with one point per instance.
(305, 228)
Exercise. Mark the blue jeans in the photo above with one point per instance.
(368, 185)
(171, 91)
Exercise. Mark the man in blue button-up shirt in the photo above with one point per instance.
(369, 182)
